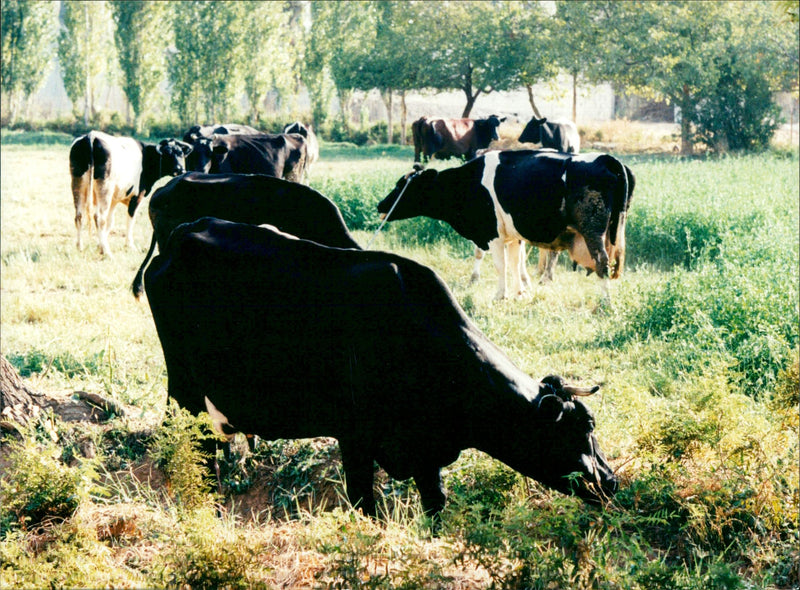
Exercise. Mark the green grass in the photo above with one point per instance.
(697, 355)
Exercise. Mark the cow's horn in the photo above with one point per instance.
(580, 391)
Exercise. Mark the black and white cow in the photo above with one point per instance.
(552, 200)
(286, 338)
(246, 198)
(561, 135)
(312, 145)
(107, 170)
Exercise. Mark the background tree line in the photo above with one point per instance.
(719, 62)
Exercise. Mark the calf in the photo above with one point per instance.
(552, 200)
(286, 338)
(445, 138)
(247, 198)
(108, 170)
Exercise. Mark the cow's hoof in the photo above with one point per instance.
(474, 278)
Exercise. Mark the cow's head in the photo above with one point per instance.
(296, 127)
(494, 122)
(413, 190)
(570, 459)
(533, 131)
(172, 156)
(199, 160)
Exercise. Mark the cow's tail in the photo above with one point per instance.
(619, 209)
(619, 201)
(138, 280)
(81, 162)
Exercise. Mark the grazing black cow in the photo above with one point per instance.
(312, 149)
(562, 136)
(553, 200)
(107, 170)
(245, 198)
(285, 338)
(445, 138)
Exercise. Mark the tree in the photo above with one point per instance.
(143, 31)
(86, 51)
(206, 68)
(578, 38)
(28, 33)
(340, 37)
(269, 61)
(475, 47)
(690, 52)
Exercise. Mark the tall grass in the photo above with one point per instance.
(697, 355)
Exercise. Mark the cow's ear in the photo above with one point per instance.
(550, 408)
(503, 119)
(186, 148)
(540, 121)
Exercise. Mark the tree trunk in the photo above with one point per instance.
(390, 128)
(470, 102)
(16, 400)
(687, 147)
(536, 113)
(575, 98)
(403, 117)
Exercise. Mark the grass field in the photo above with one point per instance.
(697, 354)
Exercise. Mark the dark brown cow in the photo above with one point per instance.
(445, 138)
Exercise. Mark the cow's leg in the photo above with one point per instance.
(498, 250)
(431, 492)
(358, 475)
(547, 263)
(514, 258)
(133, 208)
(81, 195)
(523, 267)
(104, 210)
(476, 267)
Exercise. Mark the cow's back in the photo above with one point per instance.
(250, 198)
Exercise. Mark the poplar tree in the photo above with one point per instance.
(28, 32)
(142, 33)
(86, 51)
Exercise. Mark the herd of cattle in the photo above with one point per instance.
(277, 323)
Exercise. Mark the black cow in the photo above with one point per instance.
(562, 136)
(200, 137)
(279, 155)
(285, 338)
(445, 138)
(246, 198)
(553, 200)
(107, 170)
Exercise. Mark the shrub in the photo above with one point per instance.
(38, 486)
(177, 448)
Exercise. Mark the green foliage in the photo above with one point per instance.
(177, 448)
(38, 486)
(205, 554)
(143, 62)
(27, 32)
(86, 51)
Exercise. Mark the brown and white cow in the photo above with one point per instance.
(107, 170)
(445, 138)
